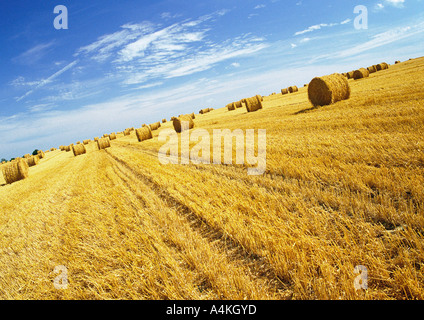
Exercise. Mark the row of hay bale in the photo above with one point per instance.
(234, 105)
(252, 104)
(206, 110)
(17, 169)
(362, 73)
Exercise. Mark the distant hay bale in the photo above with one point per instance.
(206, 110)
(293, 89)
(328, 89)
(361, 73)
(192, 115)
(103, 143)
(40, 154)
(112, 136)
(96, 139)
(238, 104)
(155, 126)
(86, 141)
(144, 133)
(254, 103)
(163, 120)
(127, 132)
(183, 123)
(397, 62)
(372, 69)
(78, 142)
(78, 149)
(15, 170)
(32, 161)
(349, 75)
(231, 106)
(27, 156)
(382, 66)
(284, 91)
(52, 149)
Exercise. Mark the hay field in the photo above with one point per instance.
(344, 186)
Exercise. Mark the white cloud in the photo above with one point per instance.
(145, 52)
(315, 27)
(43, 82)
(396, 3)
(259, 6)
(34, 54)
(379, 6)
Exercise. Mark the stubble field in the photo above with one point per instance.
(344, 186)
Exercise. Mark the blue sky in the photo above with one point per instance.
(124, 63)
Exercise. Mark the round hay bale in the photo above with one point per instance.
(78, 149)
(78, 142)
(163, 120)
(40, 154)
(361, 73)
(293, 89)
(328, 89)
(96, 139)
(67, 148)
(183, 123)
(52, 149)
(203, 111)
(372, 69)
(231, 106)
(192, 115)
(397, 62)
(382, 66)
(103, 143)
(127, 132)
(144, 133)
(112, 136)
(254, 103)
(284, 91)
(86, 141)
(349, 75)
(27, 156)
(155, 126)
(238, 104)
(15, 170)
(32, 161)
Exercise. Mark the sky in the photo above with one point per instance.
(124, 63)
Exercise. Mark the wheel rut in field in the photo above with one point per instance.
(256, 265)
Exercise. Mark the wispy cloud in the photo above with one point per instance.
(43, 82)
(315, 27)
(34, 54)
(396, 3)
(142, 52)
